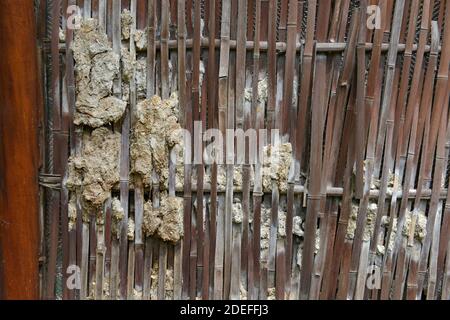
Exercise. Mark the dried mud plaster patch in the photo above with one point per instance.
(155, 132)
(96, 67)
(166, 221)
(369, 223)
(263, 86)
(130, 229)
(237, 211)
(168, 283)
(140, 38)
(96, 171)
(171, 227)
(141, 77)
(237, 177)
(117, 215)
(276, 164)
(128, 62)
(152, 221)
(300, 248)
(420, 229)
(72, 212)
(126, 20)
(266, 213)
(385, 221)
(297, 227)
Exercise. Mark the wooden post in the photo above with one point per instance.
(20, 103)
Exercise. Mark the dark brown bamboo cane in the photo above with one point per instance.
(222, 105)
(389, 257)
(404, 252)
(41, 17)
(183, 111)
(345, 79)
(412, 103)
(426, 97)
(344, 117)
(218, 269)
(85, 260)
(198, 100)
(316, 282)
(361, 125)
(242, 121)
(445, 280)
(130, 272)
(272, 275)
(151, 50)
(63, 157)
(198, 230)
(423, 35)
(70, 100)
(261, 267)
(289, 126)
(391, 61)
(315, 171)
(331, 205)
(411, 282)
(124, 160)
(440, 96)
(410, 168)
(276, 275)
(305, 86)
(251, 119)
(444, 238)
(289, 65)
(55, 126)
(188, 202)
(373, 88)
(426, 115)
(254, 288)
(223, 108)
(165, 49)
(271, 63)
(362, 184)
(373, 99)
(343, 280)
(442, 79)
(347, 151)
(432, 278)
(212, 72)
(386, 170)
(148, 265)
(437, 178)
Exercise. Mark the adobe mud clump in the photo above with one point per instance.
(96, 67)
(96, 170)
(369, 226)
(72, 212)
(276, 164)
(155, 133)
(117, 215)
(166, 222)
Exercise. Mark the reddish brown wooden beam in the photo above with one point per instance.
(19, 105)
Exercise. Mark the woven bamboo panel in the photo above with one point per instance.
(359, 93)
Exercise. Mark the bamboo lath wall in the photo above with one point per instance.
(366, 113)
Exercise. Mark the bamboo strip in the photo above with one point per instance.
(312, 213)
(242, 119)
(55, 126)
(391, 62)
(212, 122)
